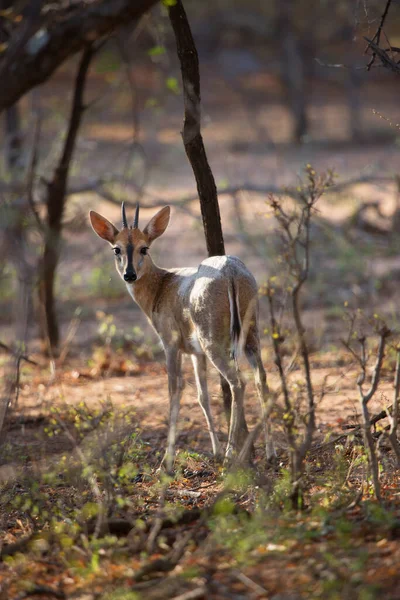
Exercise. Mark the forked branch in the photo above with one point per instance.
(393, 414)
(294, 232)
(366, 396)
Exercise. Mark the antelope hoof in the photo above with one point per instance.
(229, 455)
(271, 453)
(217, 452)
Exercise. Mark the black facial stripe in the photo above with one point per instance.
(129, 252)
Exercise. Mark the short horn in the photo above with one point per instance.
(124, 220)
(136, 220)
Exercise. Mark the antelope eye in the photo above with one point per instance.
(143, 250)
(117, 251)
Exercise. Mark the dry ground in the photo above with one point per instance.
(246, 129)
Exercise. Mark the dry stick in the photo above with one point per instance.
(11, 381)
(21, 356)
(386, 61)
(289, 417)
(18, 546)
(365, 398)
(377, 35)
(97, 186)
(91, 477)
(158, 521)
(32, 173)
(41, 590)
(199, 592)
(164, 565)
(295, 231)
(72, 329)
(255, 587)
(354, 430)
(394, 413)
(169, 562)
(305, 446)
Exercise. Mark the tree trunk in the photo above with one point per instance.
(194, 147)
(293, 69)
(192, 138)
(56, 193)
(48, 318)
(28, 61)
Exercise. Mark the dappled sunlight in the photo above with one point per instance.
(126, 474)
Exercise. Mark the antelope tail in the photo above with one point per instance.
(239, 328)
(236, 323)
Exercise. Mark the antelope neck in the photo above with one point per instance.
(147, 288)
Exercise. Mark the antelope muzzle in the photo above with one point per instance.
(130, 276)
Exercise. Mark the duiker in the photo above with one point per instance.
(209, 312)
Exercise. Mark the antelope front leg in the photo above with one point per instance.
(174, 362)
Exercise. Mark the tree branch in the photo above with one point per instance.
(63, 33)
(377, 35)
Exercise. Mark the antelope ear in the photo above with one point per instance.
(158, 224)
(103, 227)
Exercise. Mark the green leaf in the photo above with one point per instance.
(172, 84)
(156, 51)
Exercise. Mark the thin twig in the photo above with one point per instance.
(17, 354)
(365, 398)
(91, 477)
(394, 413)
(255, 587)
(32, 173)
(377, 35)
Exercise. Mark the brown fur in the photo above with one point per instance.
(198, 311)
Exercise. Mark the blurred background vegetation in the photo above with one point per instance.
(284, 84)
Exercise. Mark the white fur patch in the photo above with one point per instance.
(194, 340)
(129, 287)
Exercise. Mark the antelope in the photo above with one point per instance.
(209, 312)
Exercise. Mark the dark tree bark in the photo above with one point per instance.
(194, 147)
(45, 39)
(55, 202)
(192, 138)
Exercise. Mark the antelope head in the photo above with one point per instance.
(130, 244)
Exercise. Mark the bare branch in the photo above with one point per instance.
(377, 35)
(16, 354)
(386, 61)
(393, 414)
(64, 32)
(365, 397)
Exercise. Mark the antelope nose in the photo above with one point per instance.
(130, 276)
